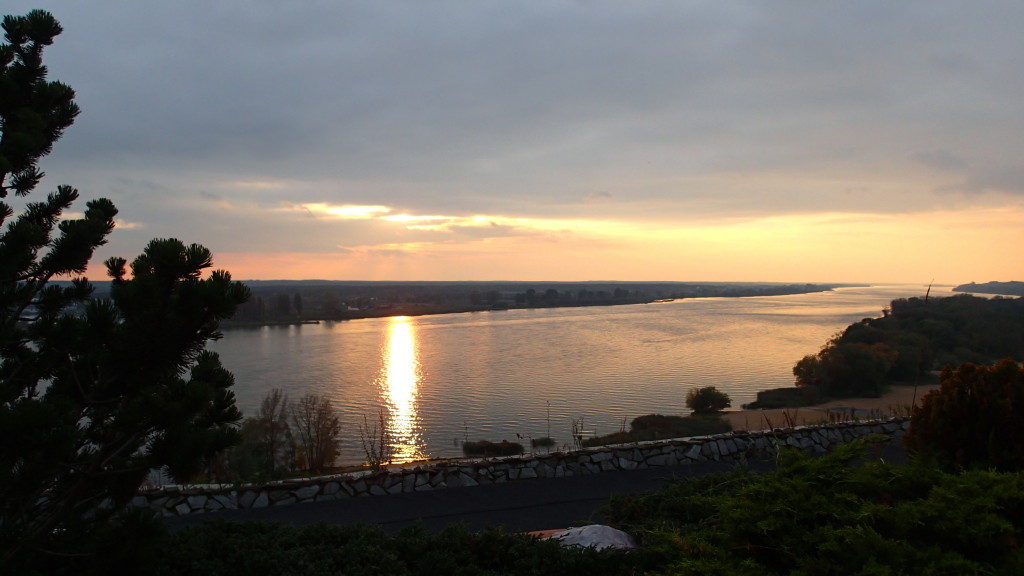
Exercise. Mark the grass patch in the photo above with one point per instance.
(789, 397)
(660, 427)
(486, 448)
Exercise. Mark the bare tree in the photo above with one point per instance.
(376, 441)
(275, 435)
(316, 429)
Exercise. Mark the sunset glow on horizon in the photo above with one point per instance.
(859, 142)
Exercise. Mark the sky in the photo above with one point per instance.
(785, 141)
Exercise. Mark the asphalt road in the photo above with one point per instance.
(521, 506)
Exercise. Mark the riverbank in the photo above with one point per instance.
(896, 402)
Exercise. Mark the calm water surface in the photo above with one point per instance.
(493, 375)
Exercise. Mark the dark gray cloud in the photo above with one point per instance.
(201, 118)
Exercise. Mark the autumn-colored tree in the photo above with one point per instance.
(974, 419)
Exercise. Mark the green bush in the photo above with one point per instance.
(975, 418)
(486, 448)
(707, 400)
(826, 516)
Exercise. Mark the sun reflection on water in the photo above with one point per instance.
(399, 380)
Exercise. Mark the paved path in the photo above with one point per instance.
(521, 506)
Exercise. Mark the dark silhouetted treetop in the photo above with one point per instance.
(33, 111)
(94, 393)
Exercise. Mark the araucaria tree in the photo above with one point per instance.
(93, 392)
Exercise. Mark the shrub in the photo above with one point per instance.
(486, 448)
(975, 418)
(789, 397)
(707, 400)
(828, 516)
(542, 442)
(257, 549)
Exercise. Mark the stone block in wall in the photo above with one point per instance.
(246, 499)
(658, 461)
(694, 453)
(262, 500)
(306, 492)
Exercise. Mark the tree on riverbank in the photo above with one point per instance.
(93, 393)
(707, 400)
(283, 438)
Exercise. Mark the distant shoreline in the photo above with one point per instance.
(434, 309)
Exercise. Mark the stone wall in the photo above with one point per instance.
(181, 500)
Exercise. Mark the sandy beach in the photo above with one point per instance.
(896, 402)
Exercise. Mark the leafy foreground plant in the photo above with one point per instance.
(259, 549)
(823, 516)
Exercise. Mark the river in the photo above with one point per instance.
(495, 375)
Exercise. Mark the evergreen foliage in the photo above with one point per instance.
(825, 516)
(975, 418)
(260, 549)
(93, 393)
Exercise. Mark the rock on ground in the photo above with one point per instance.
(596, 535)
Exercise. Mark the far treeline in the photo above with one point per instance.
(284, 302)
(913, 338)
